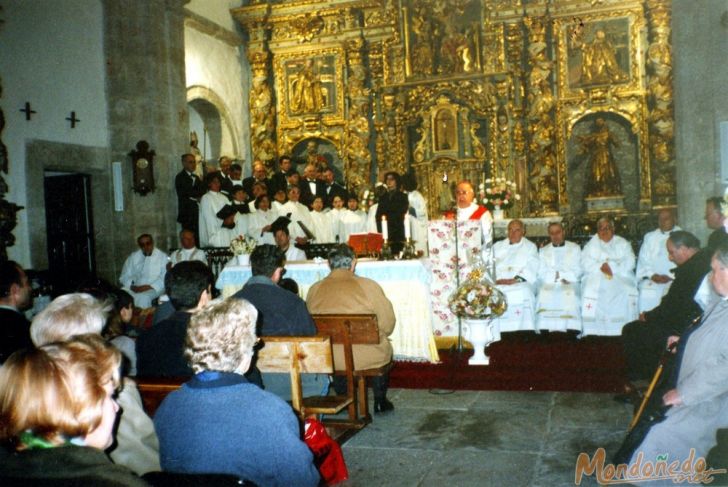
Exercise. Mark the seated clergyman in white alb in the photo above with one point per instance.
(143, 272)
(188, 251)
(608, 291)
(558, 307)
(654, 269)
(468, 209)
(516, 267)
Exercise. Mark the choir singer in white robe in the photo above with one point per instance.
(516, 270)
(261, 220)
(654, 269)
(143, 272)
(298, 213)
(210, 204)
(558, 307)
(609, 293)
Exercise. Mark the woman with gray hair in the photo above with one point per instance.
(220, 423)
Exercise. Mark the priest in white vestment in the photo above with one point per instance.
(654, 269)
(322, 228)
(609, 292)
(211, 202)
(468, 209)
(189, 250)
(261, 220)
(143, 273)
(516, 270)
(558, 306)
(298, 213)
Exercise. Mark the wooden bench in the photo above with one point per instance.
(297, 355)
(154, 389)
(348, 330)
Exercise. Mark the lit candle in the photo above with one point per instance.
(385, 228)
(407, 234)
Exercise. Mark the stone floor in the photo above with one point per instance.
(485, 438)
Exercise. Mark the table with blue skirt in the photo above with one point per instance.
(406, 283)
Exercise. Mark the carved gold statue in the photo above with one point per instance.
(603, 177)
(307, 94)
(599, 62)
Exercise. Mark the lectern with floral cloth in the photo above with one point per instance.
(446, 252)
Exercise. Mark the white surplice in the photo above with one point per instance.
(511, 261)
(372, 218)
(352, 222)
(210, 204)
(653, 259)
(299, 213)
(140, 270)
(558, 306)
(419, 223)
(607, 303)
(184, 255)
(322, 227)
(258, 220)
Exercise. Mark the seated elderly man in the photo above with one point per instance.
(143, 272)
(189, 250)
(70, 315)
(516, 268)
(608, 290)
(218, 421)
(699, 400)
(654, 268)
(644, 340)
(342, 291)
(558, 306)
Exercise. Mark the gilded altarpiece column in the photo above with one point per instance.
(262, 108)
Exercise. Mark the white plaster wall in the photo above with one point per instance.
(51, 55)
(217, 11)
(219, 67)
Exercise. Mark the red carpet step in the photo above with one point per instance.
(524, 361)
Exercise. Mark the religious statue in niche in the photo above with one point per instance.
(311, 85)
(445, 131)
(603, 174)
(603, 57)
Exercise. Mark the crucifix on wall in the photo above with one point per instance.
(73, 120)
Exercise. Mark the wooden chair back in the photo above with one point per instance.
(154, 389)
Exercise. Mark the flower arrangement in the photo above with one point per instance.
(499, 193)
(476, 298)
(241, 245)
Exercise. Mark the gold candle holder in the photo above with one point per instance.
(409, 252)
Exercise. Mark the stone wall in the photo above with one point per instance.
(700, 37)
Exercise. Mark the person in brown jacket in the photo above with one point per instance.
(342, 291)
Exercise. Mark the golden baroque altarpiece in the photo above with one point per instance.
(570, 99)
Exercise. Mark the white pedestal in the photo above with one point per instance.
(480, 334)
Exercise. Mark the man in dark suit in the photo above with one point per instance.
(189, 191)
(14, 298)
(226, 182)
(279, 180)
(160, 349)
(332, 188)
(311, 186)
(714, 219)
(645, 340)
(259, 176)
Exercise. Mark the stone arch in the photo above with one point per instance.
(223, 132)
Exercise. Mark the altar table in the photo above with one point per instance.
(406, 284)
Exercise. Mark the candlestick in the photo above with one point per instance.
(407, 230)
(385, 228)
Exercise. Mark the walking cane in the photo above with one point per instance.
(651, 388)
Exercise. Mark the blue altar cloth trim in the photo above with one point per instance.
(307, 273)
